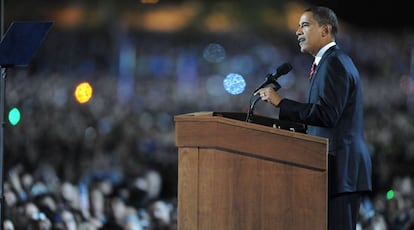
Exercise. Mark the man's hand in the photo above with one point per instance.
(270, 95)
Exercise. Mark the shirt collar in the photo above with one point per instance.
(322, 51)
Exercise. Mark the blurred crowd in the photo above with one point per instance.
(41, 200)
(111, 163)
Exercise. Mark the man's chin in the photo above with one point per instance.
(303, 50)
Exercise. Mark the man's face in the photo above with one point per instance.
(310, 34)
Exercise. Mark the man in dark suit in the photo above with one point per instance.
(334, 110)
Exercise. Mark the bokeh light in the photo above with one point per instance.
(214, 53)
(390, 194)
(14, 116)
(234, 83)
(83, 92)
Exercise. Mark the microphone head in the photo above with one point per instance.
(271, 78)
(283, 69)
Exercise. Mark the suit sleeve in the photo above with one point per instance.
(327, 99)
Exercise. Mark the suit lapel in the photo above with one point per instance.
(315, 74)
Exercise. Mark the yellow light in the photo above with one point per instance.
(83, 92)
(70, 16)
(149, 1)
(168, 18)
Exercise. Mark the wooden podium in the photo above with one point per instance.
(235, 175)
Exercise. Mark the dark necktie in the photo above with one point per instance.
(312, 71)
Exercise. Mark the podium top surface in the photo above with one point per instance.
(260, 122)
(21, 41)
(213, 131)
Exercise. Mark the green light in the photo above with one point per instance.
(390, 194)
(14, 116)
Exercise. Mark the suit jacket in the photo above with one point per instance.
(334, 110)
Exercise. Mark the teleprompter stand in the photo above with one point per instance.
(17, 48)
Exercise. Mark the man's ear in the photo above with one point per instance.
(326, 30)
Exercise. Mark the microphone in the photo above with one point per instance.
(271, 78)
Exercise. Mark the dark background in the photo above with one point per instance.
(146, 64)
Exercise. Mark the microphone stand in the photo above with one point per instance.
(249, 117)
(252, 104)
